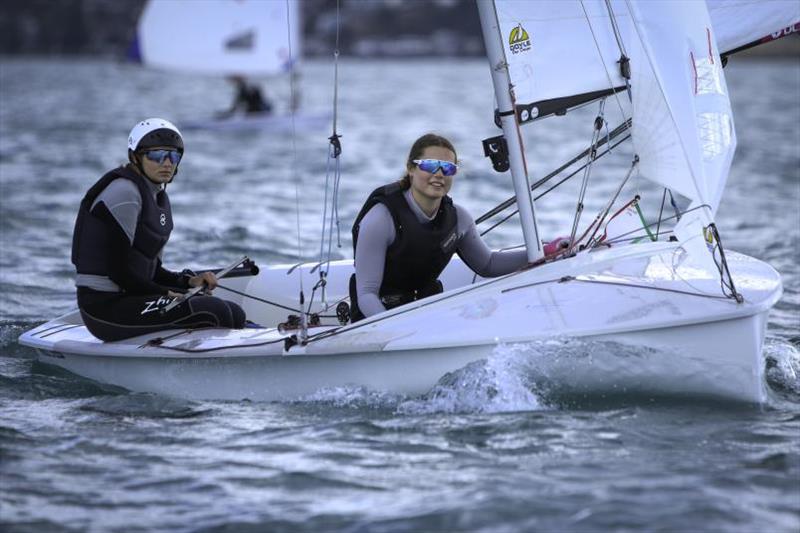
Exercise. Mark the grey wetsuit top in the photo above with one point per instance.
(377, 233)
(124, 202)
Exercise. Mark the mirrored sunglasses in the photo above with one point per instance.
(433, 165)
(158, 156)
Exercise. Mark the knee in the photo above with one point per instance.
(238, 318)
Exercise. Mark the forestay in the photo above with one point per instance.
(220, 37)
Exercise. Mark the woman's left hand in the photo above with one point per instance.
(206, 278)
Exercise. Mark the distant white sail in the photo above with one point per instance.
(222, 37)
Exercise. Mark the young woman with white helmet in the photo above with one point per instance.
(123, 223)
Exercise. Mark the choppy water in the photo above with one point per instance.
(485, 449)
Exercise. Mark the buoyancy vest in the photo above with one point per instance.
(420, 251)
(90, 239)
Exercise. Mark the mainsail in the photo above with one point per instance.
(559, 53)
(221, 37)
(562, 53)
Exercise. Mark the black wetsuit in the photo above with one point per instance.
(122, 226)
(250, 99)
(417, 256)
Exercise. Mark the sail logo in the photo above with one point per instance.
(518, 40)
(786, 31)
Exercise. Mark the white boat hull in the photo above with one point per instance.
(713, 360)
(686, 343)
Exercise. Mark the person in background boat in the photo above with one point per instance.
(123, 224)
(248, 99)
(407, 232)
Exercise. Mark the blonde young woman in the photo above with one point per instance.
(407, 232)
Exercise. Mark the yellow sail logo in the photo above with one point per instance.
(518, 40)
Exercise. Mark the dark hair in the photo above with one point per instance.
(429, 139)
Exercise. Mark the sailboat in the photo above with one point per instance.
(224, 38)
(695, 312)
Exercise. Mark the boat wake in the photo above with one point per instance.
(553, 374)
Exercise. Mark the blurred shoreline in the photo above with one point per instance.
(367, 29)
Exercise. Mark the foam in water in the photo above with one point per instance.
(783, 367)
(353, 397)
(496, 385)
(544, 374)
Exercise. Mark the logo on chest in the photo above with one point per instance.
(449, 242)
(163, 219)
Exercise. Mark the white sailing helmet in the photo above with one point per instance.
(155, 132)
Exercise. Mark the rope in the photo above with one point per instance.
(623, 284)
(269, 302)
(220, 348)
(604, 213)
(644, 222)
(725, 278)
(661, 212)
(677, 217)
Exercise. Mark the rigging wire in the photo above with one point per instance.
(591, 157)
(303, 319)
(603, 61)
(676, 217)
(624, 60)
(512, 201)
(615, 27)
(332, 220)
(558, 184)
(604, 213)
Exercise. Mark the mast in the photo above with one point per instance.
(504, 92)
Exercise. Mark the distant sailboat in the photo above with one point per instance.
(247, 38)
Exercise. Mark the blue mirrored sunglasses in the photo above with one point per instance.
(158, 156)
(433, 165)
